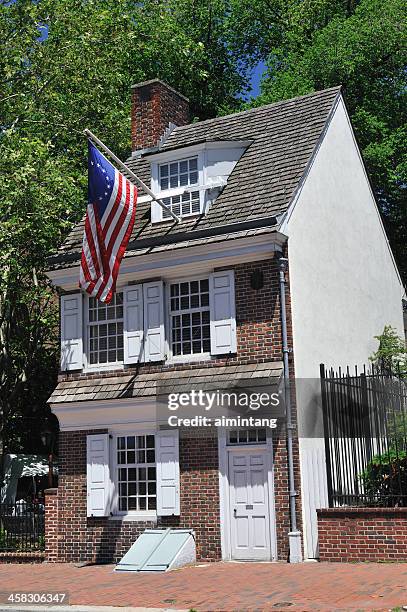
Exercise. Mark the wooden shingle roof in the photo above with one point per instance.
(283, 138)
(137, 385)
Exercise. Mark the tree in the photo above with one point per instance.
(391, 354)
(66, 65)
(360, 45)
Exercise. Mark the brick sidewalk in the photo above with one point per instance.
(222, 586)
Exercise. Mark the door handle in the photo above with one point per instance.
(234, 511)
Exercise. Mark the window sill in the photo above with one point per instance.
(111, 367)
(188, 359)
(181, 217)
(134, 518)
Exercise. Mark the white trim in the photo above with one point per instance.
(135, 518)
(184, 261)
(116, 415)
(188, 358)
(370, 189)
(177, 156)
(96, 367)
(141, 199)
(223, 497)
(223, 451)
(136, 515)
(287, 215)
(195, 357)
(188, 151)
(297, 192)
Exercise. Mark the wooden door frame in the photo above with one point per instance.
(224, 495)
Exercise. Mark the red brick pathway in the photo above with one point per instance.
(223, 586)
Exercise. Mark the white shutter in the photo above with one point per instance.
(153, 294)
(98, 478)
(222, 312)
(156, 212)
(133, 329)
(71, 332)
(167, 459)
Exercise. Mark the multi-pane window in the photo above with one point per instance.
(182, 205)
(179, 174)
(176, 175)
(190, 319)
(247, 436)
(105, 330)
(136, 473)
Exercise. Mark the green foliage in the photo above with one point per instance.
(361, 45)
(392, 352)
(386, 477)
(66, 65)
(386, 474)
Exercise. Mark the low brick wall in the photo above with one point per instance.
(362, 534)
(51, 525)
(22, 557)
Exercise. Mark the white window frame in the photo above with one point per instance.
(155, 182)
(168, 336)
(97, 367)
(136, 515)
(246, 443)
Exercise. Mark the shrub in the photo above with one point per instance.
(385, 478)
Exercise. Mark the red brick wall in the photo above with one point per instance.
(257, 322)
(258, 340)
(22, 557)
(362, 534)
(154, 106)
(51, 524)
(71, 536)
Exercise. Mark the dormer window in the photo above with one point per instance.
(188, 181)
(175, 177)
(179, 174)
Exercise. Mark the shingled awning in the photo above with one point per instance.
(148, 386)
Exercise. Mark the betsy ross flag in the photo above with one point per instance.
(108, 225)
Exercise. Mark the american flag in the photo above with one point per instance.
(108, 225)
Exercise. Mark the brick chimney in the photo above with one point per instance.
(154, 106)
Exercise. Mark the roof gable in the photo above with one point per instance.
(284, 136)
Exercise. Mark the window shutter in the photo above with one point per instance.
(156, 212)
(222, 312)
(71, 332)
(133, 329)
(167, 459)
(153, 294)
(98, 479)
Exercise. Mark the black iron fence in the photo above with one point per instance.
(22, 527)
(365, 430)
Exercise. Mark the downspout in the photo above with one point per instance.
(294, 536)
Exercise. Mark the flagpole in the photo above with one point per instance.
(126, 169)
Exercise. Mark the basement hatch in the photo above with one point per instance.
(159, 550)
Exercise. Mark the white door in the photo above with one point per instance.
(249, 504)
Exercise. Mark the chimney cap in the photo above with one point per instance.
(152, 81)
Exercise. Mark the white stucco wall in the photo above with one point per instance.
(344, 289)
(344, 284)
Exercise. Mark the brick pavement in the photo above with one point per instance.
(222, 586)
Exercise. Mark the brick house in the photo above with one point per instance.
(198, 304)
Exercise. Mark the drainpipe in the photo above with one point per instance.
(294, 536)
